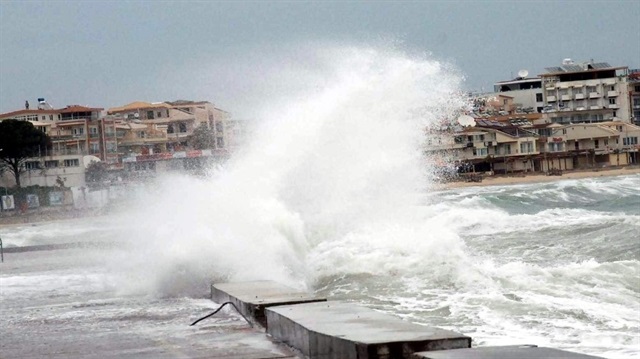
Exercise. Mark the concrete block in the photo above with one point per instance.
(252, 298)
(341, 330)
(503, 352)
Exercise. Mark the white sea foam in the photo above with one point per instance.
(328, 176)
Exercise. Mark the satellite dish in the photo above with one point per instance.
(523, 73)
(466, 121)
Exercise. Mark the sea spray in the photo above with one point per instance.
(329, 183)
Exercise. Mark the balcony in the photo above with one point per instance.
(580, 108)
(594, 107)
(565, 97)
(579, 96)
(613, 106)
(612, 93)
(94, 135)
(551, 99)
(594, 95)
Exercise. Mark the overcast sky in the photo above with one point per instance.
(110, 53)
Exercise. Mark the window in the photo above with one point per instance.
(170, 128)
(597, 143)
(72, 162)
(182, 127)
(141, 134)
(606, 142)
(219, 126)
(150, 115)
(526, 147)
(538, 97)
(44, 117)
(628, 141)
(556, 147)
(637, 88)
(50, 117)
(480, 152)
(612, 101)
(506, 149)
(564, 131)
(50, 164)
(159, 114)
(32, 165)
(220, 142)
(78, 131)
(95, 148)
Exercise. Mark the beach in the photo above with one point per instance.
(502, 180)
(52, 214)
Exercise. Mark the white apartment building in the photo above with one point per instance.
(634, 95)
(526, 93)
(586, 92)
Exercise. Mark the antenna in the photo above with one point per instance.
(466, 121)
(523, 73)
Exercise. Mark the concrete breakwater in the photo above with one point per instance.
(323, 329)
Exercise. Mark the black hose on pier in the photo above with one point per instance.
(217, 310)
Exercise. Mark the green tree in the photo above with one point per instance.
(97, 172)
(202, 138)
(19, 141)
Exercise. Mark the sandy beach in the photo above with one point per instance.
(502, 180)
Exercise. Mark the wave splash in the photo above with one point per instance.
(329, 184)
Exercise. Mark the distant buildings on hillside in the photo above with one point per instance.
(575, 115)
(133, 140)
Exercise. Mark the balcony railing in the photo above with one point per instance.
(566, 97)
(594, 95)
(612, 93)
(579, 96)
(551, 99)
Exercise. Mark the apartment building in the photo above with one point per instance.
(634, 95)
(585, 93)
(75, 132)
(526, 93)
(177, 120)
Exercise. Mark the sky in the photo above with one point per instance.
(110, 53)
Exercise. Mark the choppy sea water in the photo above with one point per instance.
(554, 264)
(331, 193)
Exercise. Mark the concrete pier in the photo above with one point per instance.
(251, 298)
(340, 330)
(503, 352)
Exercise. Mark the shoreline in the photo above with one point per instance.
(50, 215)
(503, 180)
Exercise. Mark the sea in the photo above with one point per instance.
(332, 193)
